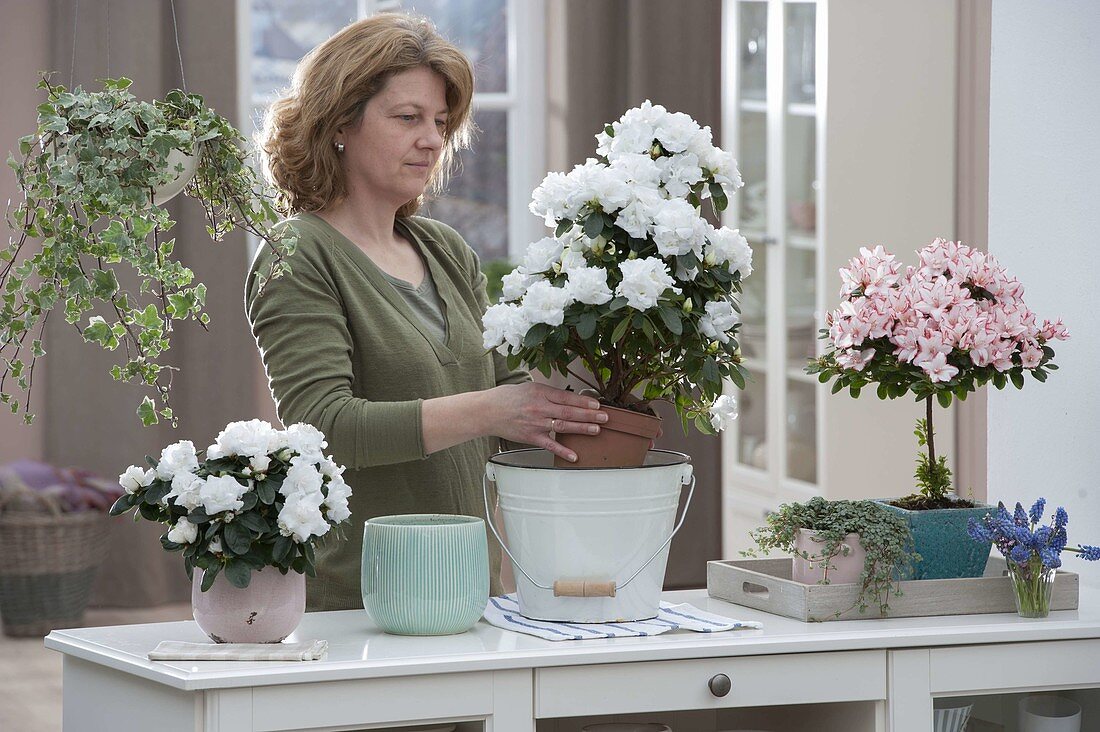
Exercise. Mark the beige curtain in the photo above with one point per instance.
(89, 419)
(604, 57)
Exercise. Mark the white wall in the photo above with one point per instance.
(1044, 225)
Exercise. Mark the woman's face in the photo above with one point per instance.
(391, 153)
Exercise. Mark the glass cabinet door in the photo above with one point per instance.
(771, 95)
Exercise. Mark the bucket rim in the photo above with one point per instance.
(681, 459)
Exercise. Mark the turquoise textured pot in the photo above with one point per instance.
(940, 537)
(425, 574)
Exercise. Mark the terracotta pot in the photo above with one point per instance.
(266, 611)
(623, 441)
(840, 568)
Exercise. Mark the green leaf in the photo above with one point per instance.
(147, 410)
(208, 576)
(265, 491)
(1017, 379)
(593, 225)
(97, 331)
(586, 327)
(238, 573)
(944, 398)
(238, 539)
(282, 549)
(1039, 374)
(737, 378)
(620, 330)
(671, 320)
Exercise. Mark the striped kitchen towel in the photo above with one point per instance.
(181, 651)
(503, 612)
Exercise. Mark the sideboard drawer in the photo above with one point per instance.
(351, 703)
(652, 686)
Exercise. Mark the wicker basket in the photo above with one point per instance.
(49, 560)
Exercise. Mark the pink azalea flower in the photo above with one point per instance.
(1031, 356)
(938, 369)
(857, 360)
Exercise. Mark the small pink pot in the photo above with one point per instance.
(840, 568)
(266, 611)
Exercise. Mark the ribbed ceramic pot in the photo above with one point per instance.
(425, 574)
(266, 611)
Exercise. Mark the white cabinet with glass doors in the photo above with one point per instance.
(796, 107)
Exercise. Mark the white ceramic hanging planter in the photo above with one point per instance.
(588, 544)
(190, 162)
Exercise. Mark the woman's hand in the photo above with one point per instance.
(529, 412)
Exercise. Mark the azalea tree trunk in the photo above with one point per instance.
(929, 433)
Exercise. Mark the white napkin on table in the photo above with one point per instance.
(503, 612)
(180, 651)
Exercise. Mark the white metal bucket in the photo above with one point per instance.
(588, 544)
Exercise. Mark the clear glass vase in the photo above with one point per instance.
(1032, 584)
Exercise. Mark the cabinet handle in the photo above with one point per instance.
(720, 685)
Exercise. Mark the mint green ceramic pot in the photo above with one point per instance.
(425, 574)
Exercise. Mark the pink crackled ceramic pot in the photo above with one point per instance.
(842, 568)
(266, 611)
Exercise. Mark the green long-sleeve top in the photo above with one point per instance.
(344, 352)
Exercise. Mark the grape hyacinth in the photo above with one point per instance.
(1033, 551)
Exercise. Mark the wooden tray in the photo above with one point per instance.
(765, 584)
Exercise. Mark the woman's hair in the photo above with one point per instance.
(331, 86)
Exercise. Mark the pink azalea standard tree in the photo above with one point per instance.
(939, 331)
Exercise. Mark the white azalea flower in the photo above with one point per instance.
(718, 320)
(679, 173)
(589, 285)
(723, 412)
(135, 478)
(728, 247)
(178, 457)
(301, 517)
(555, 199)
(306, 440)
(636, 218)
(259, 463)
(638, 169)
(301, 477)
(505, 325)
(678, 228)
(331, 469)
(676, 131)
(723, 166)
(184, 532)
(644, 281)
(541, 255)
(545, 303)
(607, 187)
(572, 259)
(216, 545)
(516, 282)
(336, 502)
(221, 493)
(247, 439)
(186, 489)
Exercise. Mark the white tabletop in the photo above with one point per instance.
(358, 650)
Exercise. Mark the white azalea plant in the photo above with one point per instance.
(635, 283)
(260, 498)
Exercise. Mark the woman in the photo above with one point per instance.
(375, 337)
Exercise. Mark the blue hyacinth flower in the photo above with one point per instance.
(1058, 539)
(1024, 537)
(1061, 518)
(1002, 512)
(1036, 512)
(1043, 536)
(1020, 516)
(1020, 554)
(978, 532)
(1091, 553)
(1050, 559)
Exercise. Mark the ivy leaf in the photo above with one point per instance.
(147, 411)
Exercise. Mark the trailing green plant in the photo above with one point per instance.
(884, 535)
(88, 177)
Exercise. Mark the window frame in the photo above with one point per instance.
(524, 101)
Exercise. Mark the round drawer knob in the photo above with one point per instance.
(720, 685)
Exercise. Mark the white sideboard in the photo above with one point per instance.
(853, 676)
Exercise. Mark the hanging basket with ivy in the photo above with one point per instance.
(93, 181)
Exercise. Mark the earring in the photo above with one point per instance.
(339, 147)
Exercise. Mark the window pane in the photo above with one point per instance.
(753, 49)
(752, 423)
(802, 430)
(479, 28)
(801, 73)
(476, 200)
(285, 30)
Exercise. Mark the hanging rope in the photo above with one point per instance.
(108, 39)
(72, 60)
(179, 54)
